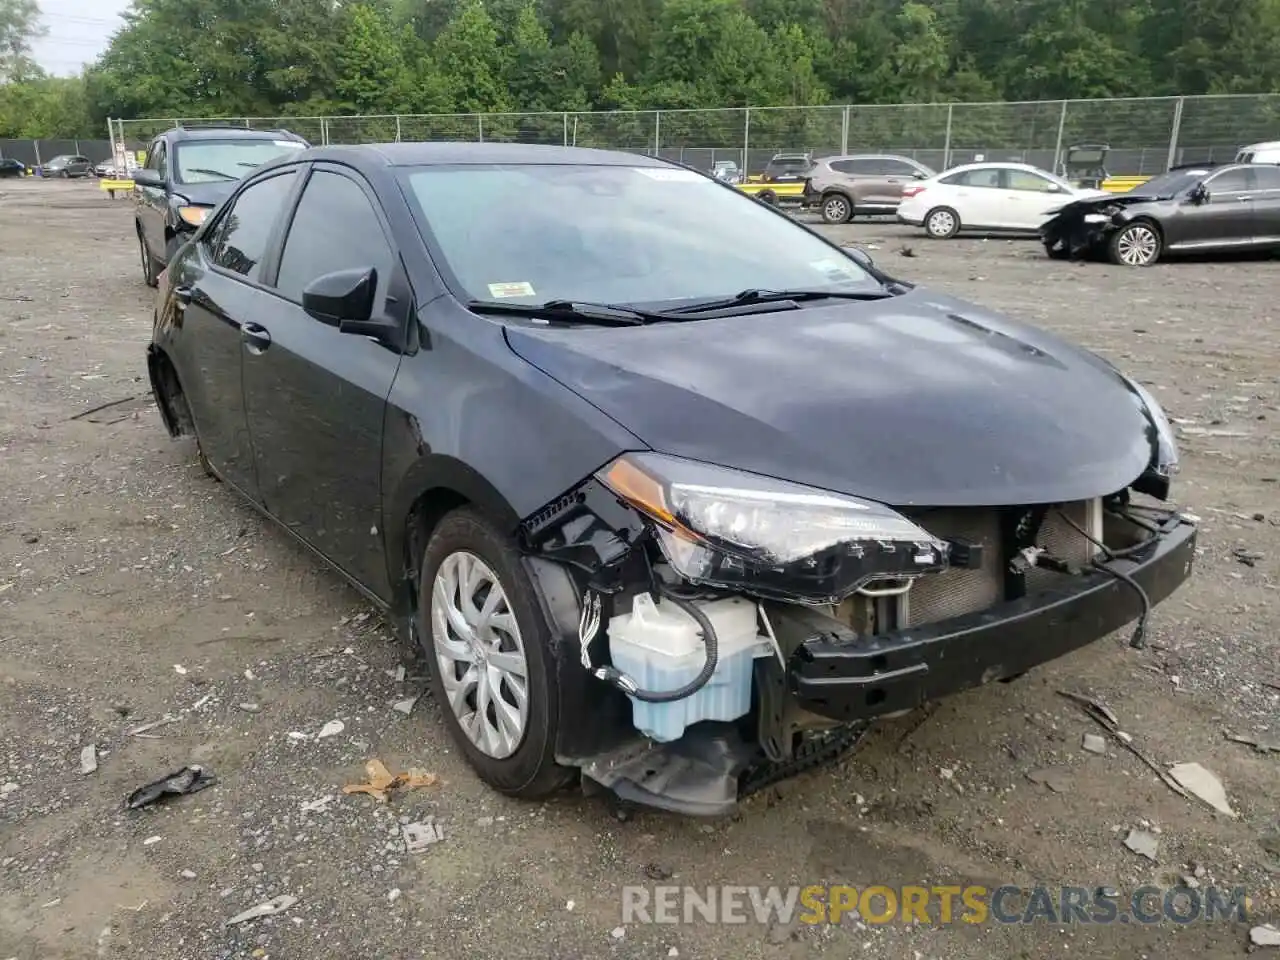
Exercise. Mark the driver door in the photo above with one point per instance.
(1225, 219)
(315, 397)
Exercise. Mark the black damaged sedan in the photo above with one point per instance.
(676, 496)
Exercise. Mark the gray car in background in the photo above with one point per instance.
(844, 187)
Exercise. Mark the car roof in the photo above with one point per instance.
(227, 133)
(1264, 145)
(997, 164)
(448, 153)
(870, 156)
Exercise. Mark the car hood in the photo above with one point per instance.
(921, 399)
(206, 194)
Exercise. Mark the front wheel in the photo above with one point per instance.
(1056, 249)
(836, 209)
(942, 223)
(768, 198)
(493, 673)
(1136, 245)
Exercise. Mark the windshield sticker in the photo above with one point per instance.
(669, 174)
(835, 270)
(500, 291)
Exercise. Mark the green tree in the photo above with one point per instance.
(372, 76)
(475, 63)
(19, 26)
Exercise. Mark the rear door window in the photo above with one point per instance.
(975, 178)
(243, 234)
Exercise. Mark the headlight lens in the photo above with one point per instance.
(741, 531)
(1165, 461)
(194, 215)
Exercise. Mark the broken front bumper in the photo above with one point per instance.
(838, 674)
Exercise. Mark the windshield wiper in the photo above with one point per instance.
(777, 296)
(213, 173)
(571, 311)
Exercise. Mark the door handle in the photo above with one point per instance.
(256, 337)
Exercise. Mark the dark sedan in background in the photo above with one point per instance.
(67, 165)
(12, 168)
(187, 173)
(1187, 210)
(673, 491)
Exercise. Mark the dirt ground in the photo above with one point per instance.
(134, 589)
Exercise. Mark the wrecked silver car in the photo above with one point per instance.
(676, 495)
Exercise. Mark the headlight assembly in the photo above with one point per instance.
(741, 531)
(1164, 460)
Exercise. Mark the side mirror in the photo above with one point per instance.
(345, 299)
(146, 178)
(919, 175)
(861, 256)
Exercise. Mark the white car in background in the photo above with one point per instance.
(987, 197)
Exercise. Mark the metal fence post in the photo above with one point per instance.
(844, 132)
(1062, 125)
(397, 128)
(566, 128)
(1173, 134)
(946, 143)
(657, 131)
(480, 126)
(324, 131)
(746, 139)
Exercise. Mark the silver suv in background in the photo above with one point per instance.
(864, 183)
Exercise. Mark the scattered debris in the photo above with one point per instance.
(249, 707)
(1057, 779)
(946, 773)
(1248, 557)
(907, 251)
(104, 406)
(398, 674)
(190, 779)
(317, 806)
(569, 905)
(1094, 743)
(187, 874)
(331, 729)
(8, 788)
(382, 783)
(405, 706)
(657, 872)
(273, 906)
(1143, 843)
(1266, 935)
(179, 669)
(1202, 784)
(152, 841)
(298, 735)
(89, 759)
(393, 895)
(419, 836)
(1270, 842)
(1101, 714)
(140, 731)
(618, 933)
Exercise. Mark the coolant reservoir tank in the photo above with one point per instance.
(661, 647)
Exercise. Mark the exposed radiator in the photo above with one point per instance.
(956, 592)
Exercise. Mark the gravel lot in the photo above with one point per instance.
(133, 588)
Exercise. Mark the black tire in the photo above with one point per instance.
(1056, 252)
(150, 275)
(65, 174)
(1138, 244)
(768, 198)
(836, 208)
(530, 772)
(941, 223)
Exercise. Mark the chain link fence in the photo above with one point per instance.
(1145, 135)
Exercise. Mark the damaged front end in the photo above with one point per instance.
(718, 631)
(1081, 230)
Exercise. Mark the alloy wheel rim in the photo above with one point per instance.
(480, 654)
(835, 209)
(941, 223)
(1137, 246)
